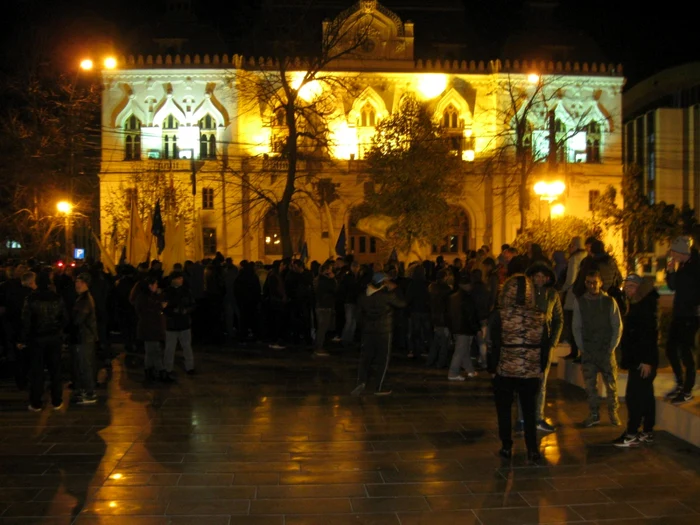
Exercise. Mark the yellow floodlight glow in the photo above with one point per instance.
(468, 155)
(344, 142)
(86, 64)
(431, 85)
(557, 187)
(64, 207)
(309, 91)
(558, 210)
(549, 191)
(110, 63)
(541, 188)
(533, 78)
(116, 476)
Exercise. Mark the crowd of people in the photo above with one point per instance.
(497, 314)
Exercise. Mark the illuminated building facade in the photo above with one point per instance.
(183, 122)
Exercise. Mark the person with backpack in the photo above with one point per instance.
(517, 359)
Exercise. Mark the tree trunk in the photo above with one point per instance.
(290, 184)
(285, 233)
(524, 193)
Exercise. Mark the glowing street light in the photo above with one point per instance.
(557, 210)
(110, 63)
(533, 78)
(549, 191)
(64, 207)
(86, 64)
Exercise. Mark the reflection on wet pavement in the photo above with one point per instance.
(263, 438)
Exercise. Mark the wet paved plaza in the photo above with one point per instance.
(269, 437)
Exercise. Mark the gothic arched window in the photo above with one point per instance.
(457, 240)
(450, 118)
(368, 116)
(207, 137)
(593, 139)
(132, 134)
(170, 126)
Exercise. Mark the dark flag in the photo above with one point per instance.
(304, 256)
(158, 229)
(394, 257)
(340, 245)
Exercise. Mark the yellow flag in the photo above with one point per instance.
(104, 256)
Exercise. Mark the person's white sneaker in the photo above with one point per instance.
(456, 378)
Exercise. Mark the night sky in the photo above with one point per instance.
(645, 41)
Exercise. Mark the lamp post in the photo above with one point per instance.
(550, 192)
(65, 208)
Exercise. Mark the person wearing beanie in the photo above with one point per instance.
(44, 317)
(576, 255)
(640, 357)
(376, 309)
(683, 277)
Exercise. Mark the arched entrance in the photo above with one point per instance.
(457, 239)
(272, 239)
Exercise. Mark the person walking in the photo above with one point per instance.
(178, 323)
(683, 277)
(44, 318)
(597, 328)
(85, 335)
(376, 309)
(464, 323)
(517, 359)
(640, 357)
(149, 304)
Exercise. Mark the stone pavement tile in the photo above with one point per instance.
(583, 482)
(352, 519)
(310, 491)
(207, 493)
(461, 517)
(655, 509)
(153, 520)
(478, 501)
(508, 485)
(527, 516)
(207, 507)
(124, 493)
(370, 505)
(65, 520)
(205, 480)
(606, 511)
(665, 520)
(657, 479)
(330, 477)
(564, 497)
(22, 494)
(647, 494)
(301, 506)
(346, 466)
(125, 508)
(256, 478)
(392, 490)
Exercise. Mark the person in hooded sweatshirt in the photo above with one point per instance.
(376, 310)
(517, 359)
(548, 301)
(640, 356)
(597, 327)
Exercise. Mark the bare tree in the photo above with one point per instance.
(300, 97)
(530, 137)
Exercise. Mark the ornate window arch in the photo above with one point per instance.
(207, 137)
(170, 127)
(132, 138)
(272, 238)
(367, 111)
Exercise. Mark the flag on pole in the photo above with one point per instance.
(136, 241)
(158, 229)
(105, 256)
(198, 239)
(304, 256)
(394, 257)
(340, 245)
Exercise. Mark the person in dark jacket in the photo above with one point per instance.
(464, 323)
(517, 359)
(481, 294)
(178, 322)
(349, 290)
(640, 356)
(376, 310)
(149, 304)
(683, 277)
(246, 288)
(418, 306)
(440, 292)
(126, 316)
(44, 317)
(85, 335)
(325, 286)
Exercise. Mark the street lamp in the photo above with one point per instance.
(65, 208)
(550, 192)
